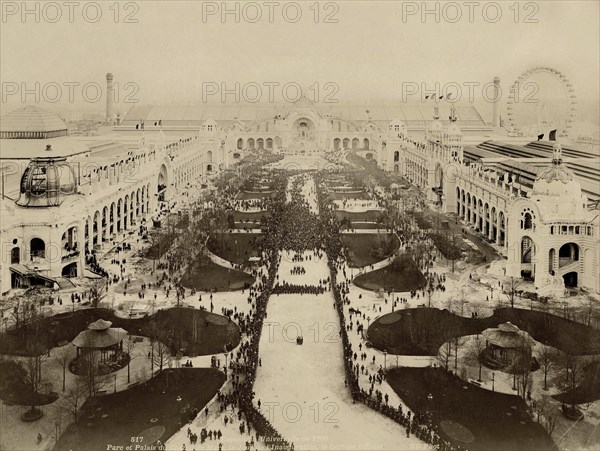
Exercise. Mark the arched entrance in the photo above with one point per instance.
(162, 185)
(250, 143)
(260, 143)
(366, 143)
(240, 143)
(570, 279)
(336, 143)
(269, 143)
(70, 270)
(567, 254)
(355, 143)
(37, 249)
(527, 250)
(346, 143)
(15, 255)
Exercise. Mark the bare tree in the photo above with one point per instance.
(476, 347)
(64, 355)
(97, 290)
(546, 413)
(511, 289)
(429, 292)
(572, 373)
(459, 342)
(129, 347)
(93, 378)
(523, 366)
(548, 359)
(444, 354)
(36, 346)
(161, 355)
(74, 398)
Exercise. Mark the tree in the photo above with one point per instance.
(74, 398)
(97, 290)
(129, 347)
(511, 290)
(444, 354)
(459, 342)
(161, 355)
(36, 348)
(547, 358)
(572, 373)
(545, 410)
(429, 292)
(64, 355)
(94, 380)
(476, 347)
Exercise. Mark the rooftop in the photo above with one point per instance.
(31, 118)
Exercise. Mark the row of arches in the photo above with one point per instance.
(488, 221)
(119, 216)
(258, 143)
(188, 171)
(348, 143)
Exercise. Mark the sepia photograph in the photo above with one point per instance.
(312, 225)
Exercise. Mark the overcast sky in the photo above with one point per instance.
(371, 50)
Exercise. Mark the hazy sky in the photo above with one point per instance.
(371, 50)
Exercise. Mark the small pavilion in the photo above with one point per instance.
(507, 347)
(99, 336)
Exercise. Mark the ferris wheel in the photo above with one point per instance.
(540, 100)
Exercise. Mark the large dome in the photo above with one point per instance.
(46, 181)
(31, 122)
(557, 180)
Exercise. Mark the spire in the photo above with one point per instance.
(557, 154)
(453, 113)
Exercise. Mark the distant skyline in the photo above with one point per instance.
(170, 53)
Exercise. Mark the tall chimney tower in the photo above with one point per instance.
(495, 115)
(110, 95)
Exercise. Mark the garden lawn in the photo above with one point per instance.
(366, 249)
(404, 276)
(175, 322)
(129, 413)
(426, 329)
(208, 276)
(235, 247)
(497, 421)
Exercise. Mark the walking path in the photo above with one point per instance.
(301, 388)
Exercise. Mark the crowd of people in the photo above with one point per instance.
(417, 424)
